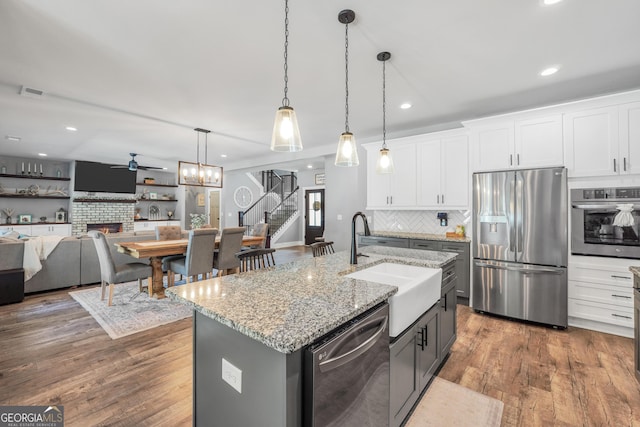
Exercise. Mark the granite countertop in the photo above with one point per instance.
(424, 236)
(291, 305)
(635, 270)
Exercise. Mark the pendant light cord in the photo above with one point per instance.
(346, 77)
(285, 100)
(384, 105)
(198, 147)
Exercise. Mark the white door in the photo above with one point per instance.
(214, 209)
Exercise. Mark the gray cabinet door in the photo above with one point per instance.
(430, 245)
(405, 384)
(428, 345)
(447, 318)
(383, 241)
(462, 265)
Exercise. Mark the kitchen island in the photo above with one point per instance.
(253, 329)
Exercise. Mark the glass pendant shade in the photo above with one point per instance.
(385, 162)
(347, 154)
(286, 135)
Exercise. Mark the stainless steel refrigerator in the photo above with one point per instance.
(520, 244)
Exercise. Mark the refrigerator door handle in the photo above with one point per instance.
(536, 270)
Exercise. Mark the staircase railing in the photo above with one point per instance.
(278, 216)
(278, 189)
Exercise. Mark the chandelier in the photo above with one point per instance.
(200, 174)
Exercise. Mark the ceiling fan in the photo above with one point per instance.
(133, 165)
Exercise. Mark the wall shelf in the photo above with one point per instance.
(142, 184)
(18, 196)
(51, 178)
(157, 200)
(84, 200)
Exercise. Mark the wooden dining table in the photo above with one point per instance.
(155, 250)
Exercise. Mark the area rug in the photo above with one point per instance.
(130, 312)
(449, 404)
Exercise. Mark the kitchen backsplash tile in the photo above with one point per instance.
(419, 221)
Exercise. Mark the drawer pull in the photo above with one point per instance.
(621, 296)
(624, 317)
(620, 277)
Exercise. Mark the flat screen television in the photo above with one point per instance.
(102, 178)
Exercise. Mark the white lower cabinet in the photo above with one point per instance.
(51, 230)
(40, 229)
(601, 297)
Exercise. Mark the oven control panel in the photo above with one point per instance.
(611, 193)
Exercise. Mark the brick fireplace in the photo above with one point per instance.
(101, 211)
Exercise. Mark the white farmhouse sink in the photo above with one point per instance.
(418, 290)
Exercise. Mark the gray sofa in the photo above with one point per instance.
(74, 261)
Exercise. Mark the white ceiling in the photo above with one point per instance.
(140, 75)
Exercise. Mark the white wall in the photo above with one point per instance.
(345, 194)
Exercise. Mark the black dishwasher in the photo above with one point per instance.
(347, 374)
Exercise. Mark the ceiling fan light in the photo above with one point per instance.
(347, 154)
(286, 135)
(385, 162)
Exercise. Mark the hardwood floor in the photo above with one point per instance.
(546, 377)
(53, 352)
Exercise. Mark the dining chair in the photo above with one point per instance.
(198, 259)
(322, 248)
(260, 229)
(224, 258)
(168, 232)
(111, 273)
(255, 259)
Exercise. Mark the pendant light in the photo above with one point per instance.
(385, 162)
(347, 154)
(286, 135)
(200, 174)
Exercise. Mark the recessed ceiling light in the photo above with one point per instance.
(550, 2)
(164, 169)
(309, 166)
(405, 106)
(42, 154)
(71, 129)
(223, 155)
(549, 71)
(13, 138)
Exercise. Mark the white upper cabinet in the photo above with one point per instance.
(591, 141)
(398, 189)
(492, 147)
(629, 151)
(538, 142)
(443, 173)
(603, 141)
(523, 143)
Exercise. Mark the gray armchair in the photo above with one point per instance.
(111, 273)
(199, 257)
(224, 258)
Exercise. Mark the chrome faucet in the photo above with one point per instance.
(354, 248)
